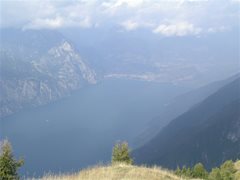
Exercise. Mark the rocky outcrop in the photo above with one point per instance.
(40, 77)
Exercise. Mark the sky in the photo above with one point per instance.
(164, 17)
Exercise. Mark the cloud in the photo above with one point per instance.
(177, 29)
(129, 25)
(45, 23)
(166, 17)
(113, 5)
(58, 22)
(217, 29)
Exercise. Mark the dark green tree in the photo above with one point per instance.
(121, 153)
(8, 165)
(199, 171)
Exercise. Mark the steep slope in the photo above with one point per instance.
(178, 106)
(38, 67)
(209, 133)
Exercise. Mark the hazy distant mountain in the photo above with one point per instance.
(38, 67)
(143, 55)
(178, 106)
(209, 133)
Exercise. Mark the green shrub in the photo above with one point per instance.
(8, 165)
(189, 172)
(215, 174)
(121, 153)
(178, 171)
(199, 171)
(185, 172)
(227, 170)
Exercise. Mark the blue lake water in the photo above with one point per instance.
(80, 130)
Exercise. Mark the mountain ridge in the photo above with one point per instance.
(178, 106)
(188, 141)
(39, 71)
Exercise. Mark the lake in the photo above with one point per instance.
(80, 130)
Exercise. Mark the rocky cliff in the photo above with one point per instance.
(38, 67)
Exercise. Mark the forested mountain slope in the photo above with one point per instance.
(209, 133)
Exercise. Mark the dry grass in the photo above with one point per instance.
(124, 172)
(237, 166)
(118, 172)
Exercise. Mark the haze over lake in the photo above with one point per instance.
(80, 130)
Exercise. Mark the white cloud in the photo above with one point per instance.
(177, 29)
(118, 3)
(58, 22)
(129, 25)
(45, 23)
(217, 29)
(167, 17)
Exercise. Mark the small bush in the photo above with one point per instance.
(185, 172)
(189, 172)
(121, 153)
(199, 171)
(178, 171)
(227, 170)
(215, 174)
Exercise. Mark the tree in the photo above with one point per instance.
(199, 171)
(8, 165)
(121, 153)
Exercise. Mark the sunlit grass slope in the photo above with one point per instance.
(237, 166)
(118, 172)
(125, 172)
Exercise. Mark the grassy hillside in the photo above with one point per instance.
(126, 172)
(118, 172)
(237, 166)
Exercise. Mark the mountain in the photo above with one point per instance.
(178, 106)
(209, 133)
(143, 55)
(37, 67)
